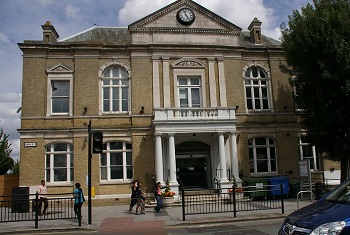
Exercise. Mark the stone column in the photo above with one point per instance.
(223, 172)
(234, 154)
(159, 159)
(156, 88)
(172, 159)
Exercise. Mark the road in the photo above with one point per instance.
(256, 227)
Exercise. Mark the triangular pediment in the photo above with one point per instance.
(165, 21)
(59, 68)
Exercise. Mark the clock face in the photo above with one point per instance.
(185, 16)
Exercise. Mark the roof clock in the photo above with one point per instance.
(185, 16)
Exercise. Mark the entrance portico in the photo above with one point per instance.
(214, 126)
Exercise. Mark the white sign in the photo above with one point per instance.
(30, 144)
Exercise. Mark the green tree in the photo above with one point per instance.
(15, 169)
(317, 46)
(6, 162)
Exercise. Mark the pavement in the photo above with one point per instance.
(116, 219)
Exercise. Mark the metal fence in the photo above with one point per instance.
(25, 207)
(233, 200)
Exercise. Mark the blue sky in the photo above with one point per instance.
(22, 19)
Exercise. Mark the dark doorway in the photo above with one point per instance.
(192, 172)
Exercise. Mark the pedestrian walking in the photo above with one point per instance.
(133, 195)
(140, 198)
(42, 191)
(157, 195)
(78, 200)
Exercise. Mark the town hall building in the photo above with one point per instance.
(182, 94)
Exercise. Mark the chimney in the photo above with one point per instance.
(49, 33)
(255, 31)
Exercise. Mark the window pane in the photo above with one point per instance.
(249, 103)
(103, 159)
(115, 72)
(262, 166)
(71, 160)
(60, 174)
(194, 81)
(128, 158)
(116, 145)
(251, 154)
(106, 105)
(261, 153)
(257, 104)
(60, 105)
(47, 160)
(255, 72)
(71, 174)
(103, 173)
(129, 173)
(125, 82)
(248, 92)
(124, 73)
(128, 146)
(273, 165)
(247, 73)
(107, 73)
(59, 147)
(182, 81)
(195, 97)
(60, 88)
(117, 172)
(262, 74)
(48, 175)
(60, 160)
(105, 92)
(260, 141)
(251, 166)
(116, 159)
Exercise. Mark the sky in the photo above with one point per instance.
(22, 19)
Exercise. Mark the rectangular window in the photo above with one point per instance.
(308, 152)
(189, 91)
(59, 163)
(60, 92)
(262, 155)
(116, 162)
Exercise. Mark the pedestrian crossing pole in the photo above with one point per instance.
(89, 173)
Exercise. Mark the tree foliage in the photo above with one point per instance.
(6, 162)
(317, 46)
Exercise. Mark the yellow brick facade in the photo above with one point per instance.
(151, 63)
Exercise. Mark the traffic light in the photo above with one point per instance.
(97, 142)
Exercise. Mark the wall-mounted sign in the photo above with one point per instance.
(30, 144)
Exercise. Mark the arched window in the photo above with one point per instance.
(59, 162)
(257, 89)
(116, 161)
(115, 90)
(262, 155)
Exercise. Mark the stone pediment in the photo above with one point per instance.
(162, 25)
(59, 68)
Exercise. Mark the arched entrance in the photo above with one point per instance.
(193, 164)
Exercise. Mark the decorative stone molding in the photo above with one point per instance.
(59, 68)
(188, 63)
(257, 64)
(114, 62)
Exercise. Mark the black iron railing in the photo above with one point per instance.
(233, 200)
(25, 207)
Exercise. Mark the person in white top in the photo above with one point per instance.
(42, 191)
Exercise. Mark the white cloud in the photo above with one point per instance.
(73, 12)
(4, 38)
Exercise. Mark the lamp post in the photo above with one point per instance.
(89, 173)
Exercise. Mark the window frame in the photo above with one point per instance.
(112, 86)
(189, 88)
(316, 160)
(107, 153)
(268, 146)
(59, 73)
(256, 82)
(194, 73)
(69, 152)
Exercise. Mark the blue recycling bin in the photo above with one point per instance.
(275, 184)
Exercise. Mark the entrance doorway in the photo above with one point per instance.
(192, 172)
(193, 164)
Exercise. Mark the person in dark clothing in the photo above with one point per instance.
(133, 195)
(140, 198)
(79, 200)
